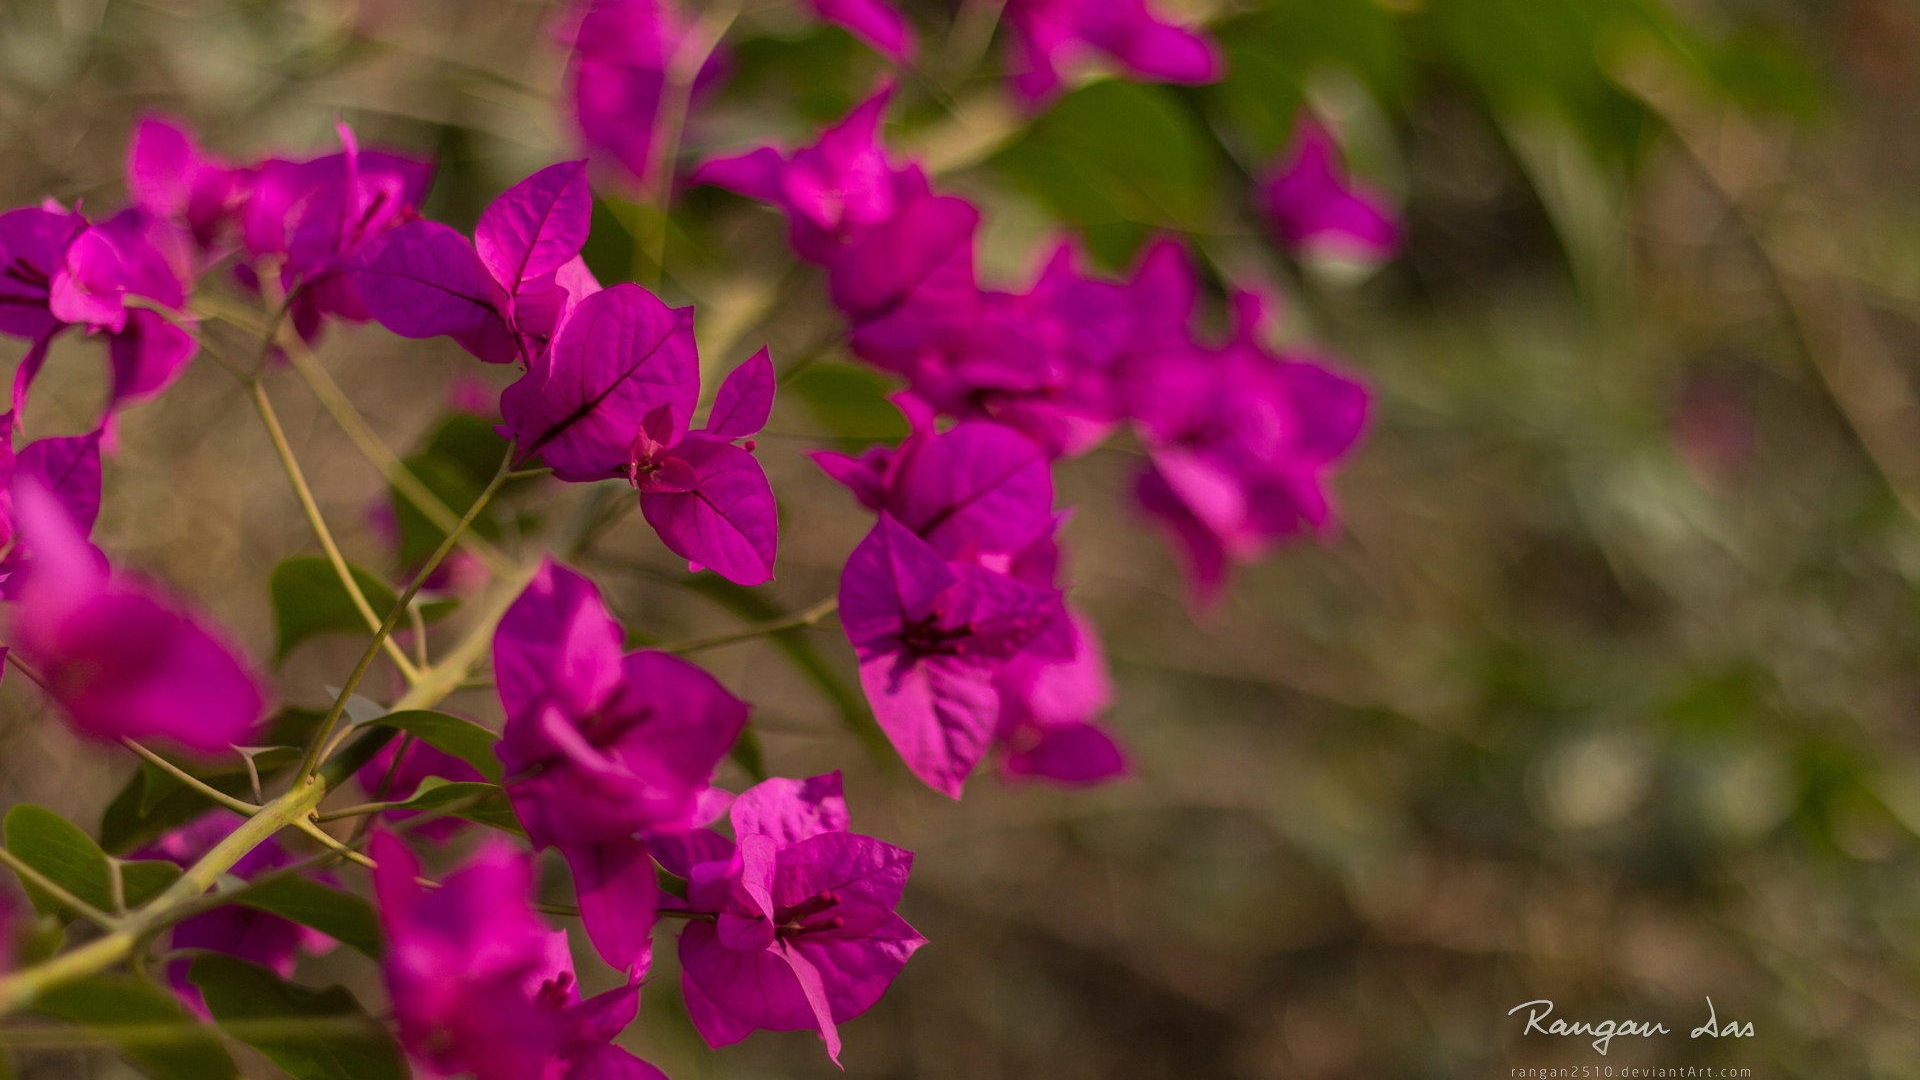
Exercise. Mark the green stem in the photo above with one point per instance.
(23, 988)
(380, 456)
(311, 508)
(323, 736)
(238, 806)
(315, 1028)
(797, 621)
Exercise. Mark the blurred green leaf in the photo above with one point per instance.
(852, 403)
(115, 1005)
(453, 735)
(313, 1035)
(1119, 160)
(309, 600)
(59, 849)
(340, 915)
(456, 463)
(1273, 52)
(819, 74)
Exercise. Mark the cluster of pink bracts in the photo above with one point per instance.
(954, 603)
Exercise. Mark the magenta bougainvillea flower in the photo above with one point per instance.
(67, 468)
(171, 177)
(257, 936)
(118, 657)
(1240, 441)
(875, 22)
(480, 985)
(932, 637)
(1316, 210)
(977, 502)
(503, 295)
(61, 271)
(315, 217)
(831, 190)
(607, 749)
(621, 57)
(705, 495)
(1048, 711)
(976, 488)
(803, 933)
(615, 396)
(1052, 36)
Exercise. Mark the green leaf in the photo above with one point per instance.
(1119, 160)
(485, 804)
(67, 856)
(852, 402)
(312, 1034)
(340, 915)
(144, 879)
(1273, 53)
(129, 1013)
(453, 735)
(749, 755)
(309, 600)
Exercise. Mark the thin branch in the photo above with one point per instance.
(311, 508)
(401, 478)
(238, 806)
(800, 620)
(323, 735)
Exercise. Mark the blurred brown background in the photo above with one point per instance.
(1605, 692)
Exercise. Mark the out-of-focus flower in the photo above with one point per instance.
(622, 55)
(263, 938)
(978, 487)
(57, 270)
(1316, 210)
(118, 657)
(876, 22)
(608, 749)
(831, 190)
(313, 218)
(1050, 37)
(396, 773)
(66, 467)
(1240, 442)
(479, 984)
(171, 177)
(803, 933)
(1048, 708)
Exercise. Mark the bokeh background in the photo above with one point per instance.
(1604, 691)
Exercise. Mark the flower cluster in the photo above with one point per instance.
(956, 602)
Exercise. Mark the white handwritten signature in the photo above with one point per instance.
(1604, 1032)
